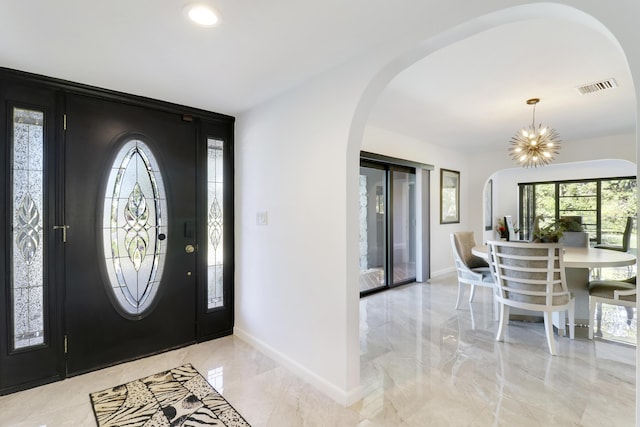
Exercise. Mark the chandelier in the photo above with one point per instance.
(534, 146)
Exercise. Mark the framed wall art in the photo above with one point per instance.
(449, 196)
(488, 205)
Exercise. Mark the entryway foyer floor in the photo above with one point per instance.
(422, 363)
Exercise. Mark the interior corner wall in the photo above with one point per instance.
(290, 271)
(293, 299)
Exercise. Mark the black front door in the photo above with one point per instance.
(130, 230)
(117, 237)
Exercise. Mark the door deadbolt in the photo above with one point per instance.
(189, 249)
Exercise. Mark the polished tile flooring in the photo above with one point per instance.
(373, 278)
(423, 364)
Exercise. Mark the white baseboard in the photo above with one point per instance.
(343, 397)
(443, 272)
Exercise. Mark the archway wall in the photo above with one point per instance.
(578, 159)
(297, 159)
(505, 181)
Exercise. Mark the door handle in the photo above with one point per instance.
(64, 229)
(190, 249)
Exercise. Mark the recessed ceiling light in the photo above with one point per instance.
(202, 15)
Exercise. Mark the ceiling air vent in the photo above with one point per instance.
(597, 86)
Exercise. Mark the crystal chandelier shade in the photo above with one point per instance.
(534, 145)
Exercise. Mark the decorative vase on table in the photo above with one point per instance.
(501, 229)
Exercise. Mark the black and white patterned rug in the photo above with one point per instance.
(178, 397)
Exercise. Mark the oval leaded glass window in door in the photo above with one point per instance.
(134, 228)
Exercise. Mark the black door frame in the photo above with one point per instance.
(388, 168)
(209, 323)
(44, 363)
(216, 322)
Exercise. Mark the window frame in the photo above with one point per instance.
(528, 200)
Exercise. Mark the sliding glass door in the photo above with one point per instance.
(403, 226)
(373, 228)
(387, 226)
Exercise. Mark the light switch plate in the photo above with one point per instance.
(262, 218)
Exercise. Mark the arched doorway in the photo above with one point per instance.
(377, 85)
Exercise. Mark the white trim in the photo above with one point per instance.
(443, 271)
(343, 397)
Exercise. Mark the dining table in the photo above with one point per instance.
(578, 263)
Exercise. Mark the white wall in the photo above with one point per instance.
(297, 158)
(292, 298)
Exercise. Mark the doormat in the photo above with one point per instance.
(177, 397)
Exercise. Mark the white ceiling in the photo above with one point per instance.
(467, 95)
(472, 95)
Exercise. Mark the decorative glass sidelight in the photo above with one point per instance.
(134, 228)
(215, 292)
(27, 224)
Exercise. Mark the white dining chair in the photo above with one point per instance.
(531, 276)
(614, 292)
(471, 269)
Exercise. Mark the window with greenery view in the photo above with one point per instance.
(603, 204)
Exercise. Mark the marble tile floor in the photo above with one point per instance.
(422, 364)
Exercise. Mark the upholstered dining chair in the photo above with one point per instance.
(472, 270)
(625, 246)
(615, 292)
(626, 238)
(575, 239)
(531, 276)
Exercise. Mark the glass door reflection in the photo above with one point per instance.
(373, 228)
(387, 226)
(404, 227)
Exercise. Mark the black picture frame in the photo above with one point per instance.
(511, 231)
(488, 206)
(449, 196)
